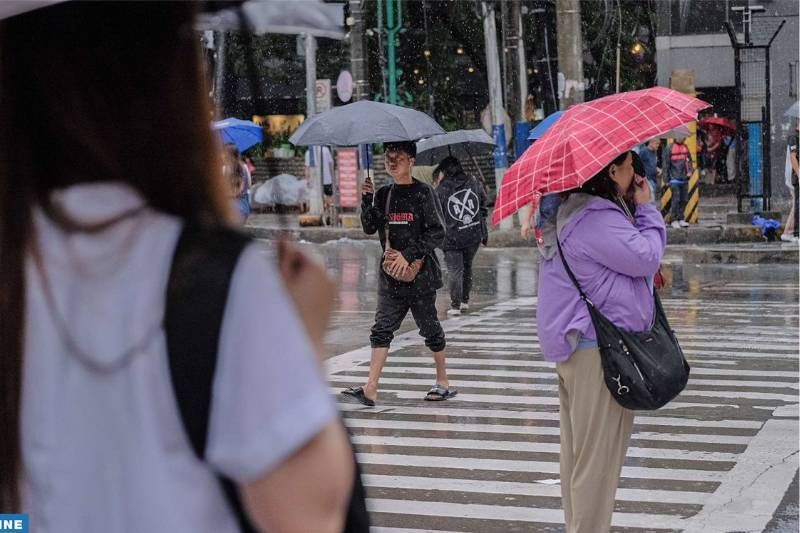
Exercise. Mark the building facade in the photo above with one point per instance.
(691, 35)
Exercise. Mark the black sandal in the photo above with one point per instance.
(439, 393)
(358, 394)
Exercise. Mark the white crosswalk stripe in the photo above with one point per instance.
(488, 460)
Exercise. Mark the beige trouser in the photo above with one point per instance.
(595, 431)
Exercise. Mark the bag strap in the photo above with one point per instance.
(195, 305)
(196, 300)
(386, 209)
(571, 275)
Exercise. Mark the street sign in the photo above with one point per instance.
(344, 86)
(323, 92)
(347, 164)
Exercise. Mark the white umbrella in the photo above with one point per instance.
(793, 111)
(365, 122)
(280, 16)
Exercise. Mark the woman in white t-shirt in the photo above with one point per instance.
(92, 440)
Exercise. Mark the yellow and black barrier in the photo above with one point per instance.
(692, 211)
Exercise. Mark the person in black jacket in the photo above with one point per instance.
(407, 217)
(464, 205)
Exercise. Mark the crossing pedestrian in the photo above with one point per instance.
(613, 239)
(679, 168)
(791, 228)
(93, 439)
(464, 207)
(407, 217)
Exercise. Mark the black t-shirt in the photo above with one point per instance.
(414, 226)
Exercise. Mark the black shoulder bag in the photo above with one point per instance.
(202, 266)
(642, 370)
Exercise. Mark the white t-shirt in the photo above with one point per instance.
(104, 449)
(327, 162)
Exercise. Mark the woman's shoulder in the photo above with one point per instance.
(587, 211)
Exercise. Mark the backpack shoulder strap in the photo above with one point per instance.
(197, 292)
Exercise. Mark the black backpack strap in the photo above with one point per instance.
(197, 292)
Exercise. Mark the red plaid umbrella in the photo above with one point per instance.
(717, 121)
(586, 138)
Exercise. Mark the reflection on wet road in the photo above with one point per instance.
(718, 458)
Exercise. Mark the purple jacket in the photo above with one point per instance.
(614, 262)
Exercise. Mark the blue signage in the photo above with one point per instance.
(14, 523)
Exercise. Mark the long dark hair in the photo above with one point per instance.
(86, 95)
(603, 186)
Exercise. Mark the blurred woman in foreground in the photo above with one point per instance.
(92, 440)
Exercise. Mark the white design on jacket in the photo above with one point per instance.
(463, 205)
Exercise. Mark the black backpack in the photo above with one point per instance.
(202, 267)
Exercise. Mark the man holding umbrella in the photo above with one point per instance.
(408, 219)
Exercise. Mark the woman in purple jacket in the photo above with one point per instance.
(613, 239)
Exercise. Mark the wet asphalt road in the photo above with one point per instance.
(722, 457)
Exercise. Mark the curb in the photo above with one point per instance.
(512, 238)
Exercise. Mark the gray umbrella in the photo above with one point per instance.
(365, 122)
(460, 144)
(793, 111)
(674, 133)
(280, 16)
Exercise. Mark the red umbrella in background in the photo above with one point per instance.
(722, 122)
(586, 138)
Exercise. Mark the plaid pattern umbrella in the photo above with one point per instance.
(586, 138)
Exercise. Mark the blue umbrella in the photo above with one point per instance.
(544, 125)
(241, 133)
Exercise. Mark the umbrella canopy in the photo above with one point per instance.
(674, 133)
(365, 122)
(717, 121)
(586, 138)
(460, 144)
(241, 133)
(793, 111)
(280, 16)
(544, 125)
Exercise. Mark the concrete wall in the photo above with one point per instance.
(785, 50)
(709, 55)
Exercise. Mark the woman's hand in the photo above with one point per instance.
(641, 190)
(525, 230)
(310, 287)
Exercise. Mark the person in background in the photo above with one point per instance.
(649, 156)
(92, 437)
(678, 162)
(613, 239)
(234, 170)
(324, 159)
(464, 206)
(247, 178)
(791, 228)
(407, 217)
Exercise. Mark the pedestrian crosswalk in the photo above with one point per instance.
(487, 460)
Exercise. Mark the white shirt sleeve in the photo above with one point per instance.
(269, 397)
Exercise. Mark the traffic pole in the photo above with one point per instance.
(315, 207)
(495, 99)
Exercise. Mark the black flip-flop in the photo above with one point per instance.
(358, 394)
(439, 393)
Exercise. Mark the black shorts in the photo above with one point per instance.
(327, 190)
(393, 308)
